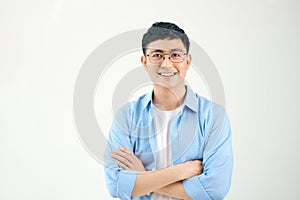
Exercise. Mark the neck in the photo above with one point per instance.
(168, 99)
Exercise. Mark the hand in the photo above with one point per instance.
(191, 168)
(127, 160)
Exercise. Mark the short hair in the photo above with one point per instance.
(164, 30)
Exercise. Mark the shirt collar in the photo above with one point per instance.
(190, 99)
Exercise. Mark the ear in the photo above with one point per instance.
(144, 61)
(189, 60)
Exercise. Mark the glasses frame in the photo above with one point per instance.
(169, 54)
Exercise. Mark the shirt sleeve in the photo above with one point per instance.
(214, 182)
(119, 182)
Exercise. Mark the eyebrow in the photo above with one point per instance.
(162, 51)
(156, 50)
(171, 50)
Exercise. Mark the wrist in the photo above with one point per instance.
(179, 172)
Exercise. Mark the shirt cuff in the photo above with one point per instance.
(126, 183)
(195, 189)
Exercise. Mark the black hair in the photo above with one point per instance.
(163, 30)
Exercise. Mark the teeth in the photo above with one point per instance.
(167, 74)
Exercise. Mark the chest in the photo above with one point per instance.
(185, 140)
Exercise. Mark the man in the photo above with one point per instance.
(171, 143)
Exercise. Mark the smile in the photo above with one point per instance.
(167, 74)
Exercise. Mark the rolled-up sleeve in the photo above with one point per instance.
(214, 182)
(119, 182)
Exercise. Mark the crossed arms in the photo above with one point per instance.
(126, 176)
(166, 181)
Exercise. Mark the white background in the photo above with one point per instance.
(254, 44)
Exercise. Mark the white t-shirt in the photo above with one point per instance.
(163, 120)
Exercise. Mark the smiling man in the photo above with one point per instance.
(170, 143)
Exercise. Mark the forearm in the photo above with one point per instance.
(175, 190)
(150, 181)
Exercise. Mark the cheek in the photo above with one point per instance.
(182, 70)
(151, 71)
(152, 68)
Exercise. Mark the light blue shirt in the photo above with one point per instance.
(200, 131)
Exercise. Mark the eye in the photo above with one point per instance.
(176, 55)
(156, 55)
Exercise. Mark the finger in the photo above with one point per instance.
(118, 156)
(122, 165)
(120, 153)
(125, 150)
(120, 159)
(199, 161)
(127, 153)
(128, 156)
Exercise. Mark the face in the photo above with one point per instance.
(160, 68)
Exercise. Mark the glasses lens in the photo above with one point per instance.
(156, 57)
(177, 57)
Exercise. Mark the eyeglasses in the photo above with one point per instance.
(158, 57)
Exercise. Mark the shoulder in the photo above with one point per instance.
(211, 114)
(200, 104)
(208, 107)
(136, 106)
(131, 113)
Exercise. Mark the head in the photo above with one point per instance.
(165, 54)
(164, 30)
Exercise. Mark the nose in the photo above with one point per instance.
(166, 62)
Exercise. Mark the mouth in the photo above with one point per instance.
(167, 74)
